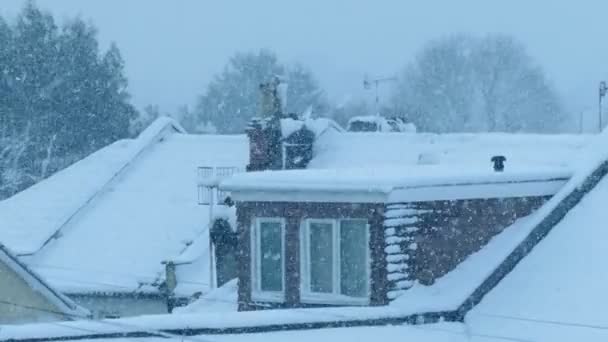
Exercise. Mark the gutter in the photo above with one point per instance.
(137, 332)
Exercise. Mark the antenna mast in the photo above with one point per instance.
(367, 84)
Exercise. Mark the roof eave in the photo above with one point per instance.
(317, 196)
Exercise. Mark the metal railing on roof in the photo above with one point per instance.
(209, 178)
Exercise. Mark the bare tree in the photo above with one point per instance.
(515, 95)
(231, 98)
(12, 151)
(462, 83)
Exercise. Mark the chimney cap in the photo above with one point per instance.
(499, 163)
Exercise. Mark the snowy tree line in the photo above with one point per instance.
(232, 97)
(458, 83)
(61, 98)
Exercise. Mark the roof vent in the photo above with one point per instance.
(499, 163)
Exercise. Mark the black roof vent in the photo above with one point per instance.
(499, 163)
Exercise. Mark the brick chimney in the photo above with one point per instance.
(269, 148)
(264, 131)
(265, 148)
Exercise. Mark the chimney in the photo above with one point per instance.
(265, 152)
(276, 140)
(264, 131)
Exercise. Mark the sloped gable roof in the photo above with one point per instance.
(32, 217)
(106, 223)
(147, 215)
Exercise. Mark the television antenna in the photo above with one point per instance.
(602, 93)
(375, 83)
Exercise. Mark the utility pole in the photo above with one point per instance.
(602, 92)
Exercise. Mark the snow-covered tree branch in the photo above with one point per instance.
(466, 84)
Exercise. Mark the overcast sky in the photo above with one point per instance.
(172, 48)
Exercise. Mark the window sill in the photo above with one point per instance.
(275, 297)
(333, 299)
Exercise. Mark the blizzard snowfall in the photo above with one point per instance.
(522, 306)
(380, 175)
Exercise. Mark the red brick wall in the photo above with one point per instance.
(294, 213)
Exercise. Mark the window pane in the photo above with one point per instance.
(271, 265)
(353, 258)
(321, 257)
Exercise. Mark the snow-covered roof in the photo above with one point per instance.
(117, 214)
(61, 303)
(318, 126)
(372, 164)
(352, 150)
(561, 280)
(407, 184)
(518, 309)
(30, 218)
(557, 291)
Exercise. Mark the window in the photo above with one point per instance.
(335, 261)
(353, 258)
(321, 256)
(268, 254)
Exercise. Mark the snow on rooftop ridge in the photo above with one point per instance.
(392, 184)
(62, 303)
(32, 217)
(158, 127)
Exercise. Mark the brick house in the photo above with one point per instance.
(363, 235)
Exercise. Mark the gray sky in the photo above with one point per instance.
(172, 48)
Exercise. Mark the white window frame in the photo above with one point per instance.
(309, 297)
(256, 262)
